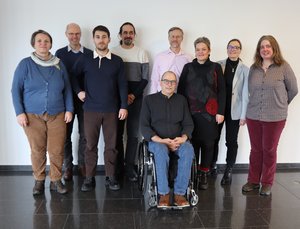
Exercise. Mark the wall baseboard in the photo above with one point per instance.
(238, 168)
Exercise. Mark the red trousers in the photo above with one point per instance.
(264, 138)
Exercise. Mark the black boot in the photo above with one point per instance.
(203, 183)
(227, 178)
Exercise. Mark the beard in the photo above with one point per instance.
(127, 41)
(102, 47)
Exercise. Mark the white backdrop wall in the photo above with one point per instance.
(216, 19)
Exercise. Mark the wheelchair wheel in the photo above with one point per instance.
(193, 198)
(141, 167)
(152, 201)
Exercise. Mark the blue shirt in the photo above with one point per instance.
(38, 90)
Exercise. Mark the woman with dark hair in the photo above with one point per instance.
(202, 83)
(42, 98)
(236, 81)
(272, 86)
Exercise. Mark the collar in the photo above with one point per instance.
(166, 97)
(75, 51)
(108, 55)
(181, 52)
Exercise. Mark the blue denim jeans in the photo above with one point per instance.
(161, 157)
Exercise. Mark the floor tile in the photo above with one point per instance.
(88, 221)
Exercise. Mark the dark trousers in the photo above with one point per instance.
(133, 135)
(206, 148)
(68, 156)
(264, 138)
(203, 139)
(93, 121)
(231, 136)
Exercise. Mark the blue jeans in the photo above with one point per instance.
(161, 157)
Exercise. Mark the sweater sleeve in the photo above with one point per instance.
(290, 83)
(18, 87)
(143, 83)
(122, 83)
(68, 95)
(76, 72)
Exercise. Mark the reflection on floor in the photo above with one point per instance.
(218, 207)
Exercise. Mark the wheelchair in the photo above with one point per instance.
(147, 183)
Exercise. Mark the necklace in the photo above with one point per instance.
(232, 67)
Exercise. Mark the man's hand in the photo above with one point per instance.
(81, 96)
(22, 120)
(122, 114)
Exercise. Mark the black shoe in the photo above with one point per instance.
(68, 175)
(58, 186)
(227, 178)
(39, 187)
(214, 170)
(203, 183)
(132, 175)
(89, 184)
(113, 184)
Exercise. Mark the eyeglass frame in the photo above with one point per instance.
(232, 47)
(168, 82)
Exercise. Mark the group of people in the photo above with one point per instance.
(189, 101)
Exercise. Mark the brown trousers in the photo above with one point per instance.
(46, 133)
(93, 121)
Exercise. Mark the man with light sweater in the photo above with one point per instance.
(105, 101)
(137, 73)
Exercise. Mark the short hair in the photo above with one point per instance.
(175, 28)
(101, 28)
(277, 56)
(235, 39)
(32, 40)
(121, 29)
(72, 24)
(168, 72)
(204, 40)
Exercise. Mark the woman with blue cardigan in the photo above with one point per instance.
(42, 98)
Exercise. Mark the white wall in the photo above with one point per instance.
(218, 20)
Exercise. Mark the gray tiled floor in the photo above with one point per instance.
(219, 207)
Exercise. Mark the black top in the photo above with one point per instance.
(204, 87)
(165, 117)
(229, 72)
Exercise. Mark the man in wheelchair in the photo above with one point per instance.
(166, 125)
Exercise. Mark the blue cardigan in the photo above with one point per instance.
(37, 89)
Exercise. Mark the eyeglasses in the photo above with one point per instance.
(230, 47)
(167, 82)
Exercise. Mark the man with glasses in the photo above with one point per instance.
(167, 125)
(172, 59)
(69, 55)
